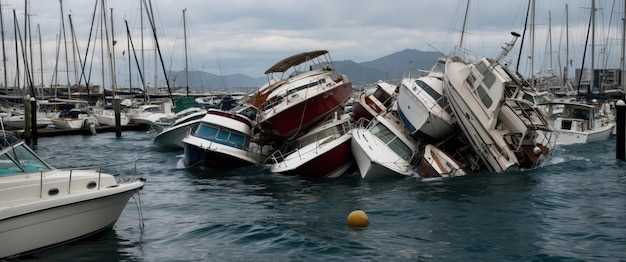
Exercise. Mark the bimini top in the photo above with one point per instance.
(7, 139)
(295, 60)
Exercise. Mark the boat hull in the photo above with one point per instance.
(368, 167)
(109, 120)
(173, 138)
(68, 123)
(332, 162)
(418, 117)
(305, 114)
(61, 224)
(570, 137)
(197, 157)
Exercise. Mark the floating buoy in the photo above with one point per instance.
(358, 218)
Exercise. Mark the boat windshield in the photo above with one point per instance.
(222, 136)
(20, 159)
(393, 142)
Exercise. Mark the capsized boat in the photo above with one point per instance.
(175, 130)
(578, 123)
(303, 89)
(505, 130)
(383, 147)
(423, 107)
(223, 139)
(374, 101)
(324, 151)
(436, 164)
(41, 206)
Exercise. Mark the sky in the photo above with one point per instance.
(248, 36)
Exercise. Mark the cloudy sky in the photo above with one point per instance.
(247, 36)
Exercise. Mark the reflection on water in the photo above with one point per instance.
(572, 208)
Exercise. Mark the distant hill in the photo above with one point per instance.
(389, 67)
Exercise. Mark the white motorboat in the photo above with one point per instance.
(178, 128)
(374, 101)
(324, 151)
(148, 115)
(577, 123)
(17, 121)
(107, 117)
(73, 119)
(42, 207)
(436, 164)
(505, 130)
(222, 140)
(383, 148)
(423, 107)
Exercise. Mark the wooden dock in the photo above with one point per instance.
(53, 132)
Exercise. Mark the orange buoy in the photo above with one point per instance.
(358, 218)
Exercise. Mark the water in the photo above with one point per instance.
(572, 209)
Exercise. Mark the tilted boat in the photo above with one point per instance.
(423, 107)
(437, 164)
(222, 140)
(322, 152)
(73, 119)
(107, 117)
(148, 115)
(505, 130)
(374, 101)
(383, 148)
(578, 123)
(303, 89)
(176, 129)
(42, 207)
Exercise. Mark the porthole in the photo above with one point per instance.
(53, 192)
(91, 185)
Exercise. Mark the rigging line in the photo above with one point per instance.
(582, 68)
(521, 48)
(132, 46)
(82, 73)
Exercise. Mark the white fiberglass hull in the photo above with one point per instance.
(68, 123)
(108, 119)
(60, 224)
(417, 116)
(18, 122)
(172, 138)
(573, 137)
(368, 159)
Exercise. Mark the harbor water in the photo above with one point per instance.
(573, 208)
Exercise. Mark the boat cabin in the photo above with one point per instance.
(16, 158)
(573, 117)
(224, 131)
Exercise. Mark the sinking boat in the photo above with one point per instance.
(423, 107)
(303, 89)
(176, 129)
(73, 119)
(324, 151)
(436, 164)
(222, 140)
(107, 117)
(373, 102)
(505, 130)
(578, 123)
(148, 115)
(382, 147)
(42, 207)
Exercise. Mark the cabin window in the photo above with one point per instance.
(566, 125)
(392, 141)
(205, 131)
(382, 96)
(222, 136)
(432, 93)
(237, 140)
(20, 160)
(489, 79)
(294, 90)
(529, 98)
(401, 149)
(249, 112)
(484, 96)
(383, 133)
(471, 79)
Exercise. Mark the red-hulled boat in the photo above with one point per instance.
(323, 152)
(302, 90)
(374, 101)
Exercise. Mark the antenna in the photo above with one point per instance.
(464, 24)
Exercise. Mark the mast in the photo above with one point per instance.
(40, 55)
(17, 52)
(143, 61)
(623, 76)
(130, 66)
(566, 71)
(593, 47)
(464, 24)
(550, 37)
(4, 57)
(532, 46)
(102, 67)
(113, 65)
(67, 70)
(521, 48)
(74, 49)
(186, 54)
(29, 39)
(132, 46)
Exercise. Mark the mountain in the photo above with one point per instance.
(359, 73)
(399, 63)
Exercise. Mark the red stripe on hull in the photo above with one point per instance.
(285, 124)
(325, 164)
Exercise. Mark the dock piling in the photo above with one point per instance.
(33, 121)
(118, 116)
(27, 120)
(620, 120)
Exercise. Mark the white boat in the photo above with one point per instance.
(107, 117)
(374, 101)
(436, 164)
(382, 147)
(221, 140)
(182, 125)
(42, 207)
(148, 115)
(423, 107)
(73, 119)
(324, 151)
(577, 123)
(17, 121)
(505, 130)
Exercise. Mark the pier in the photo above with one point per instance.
(53, 132)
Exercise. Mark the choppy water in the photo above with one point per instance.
(574, 208)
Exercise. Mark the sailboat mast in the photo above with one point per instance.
(186, 52)
(67, 70)
(30, 39)
(567, 62)
(532, 45)
(624, 48)
(113, 64)
(143, 61)
(593, 47)
(40, 56)
(17, 53)
(550, 36)
(464, 24)
(4, 57)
